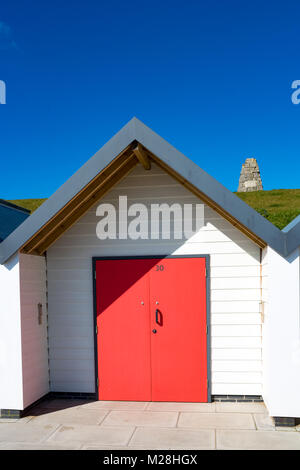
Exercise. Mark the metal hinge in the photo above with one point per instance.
(95, 275)
(97, 382)
(96, 329)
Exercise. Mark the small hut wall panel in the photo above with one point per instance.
(235, 288)
(11, 389)
(264, 313)
(34, 327)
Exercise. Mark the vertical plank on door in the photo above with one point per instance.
(123, 329)
(179, 346)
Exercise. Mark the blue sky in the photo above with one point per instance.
(212, 77)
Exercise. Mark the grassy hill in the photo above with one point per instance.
(279, 206)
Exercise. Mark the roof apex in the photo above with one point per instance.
(136, 130)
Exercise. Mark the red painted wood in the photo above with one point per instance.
(133, 362)
(123, 329)
(179, 349)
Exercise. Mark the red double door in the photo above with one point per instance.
(151, 323)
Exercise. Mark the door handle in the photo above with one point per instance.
(156, 316)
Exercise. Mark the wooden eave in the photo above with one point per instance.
(100, 185)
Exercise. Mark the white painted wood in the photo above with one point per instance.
(237, 389)
(235, 307)
(236, 366)
(236, 342)
(235, 319)
(34, 335)
(11, 384)
(236, 330)
(235, 286)
(281, 334)
(67, 385)
(236, 354)
(236, 377)
(235, 295)
(235, 283)
(235, 272)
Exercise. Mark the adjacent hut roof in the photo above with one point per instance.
(11, 216)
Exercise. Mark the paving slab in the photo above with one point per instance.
(39, 446)
(260, 440)
(228, 407)
(264, 422)
(116, 405)
(141, 418)
(173, 438)
(112, 425)
(216, 420)
(93, 435)
(68, 416)
(175, 406)
(18, 420)
(25, 432)
(286, 428)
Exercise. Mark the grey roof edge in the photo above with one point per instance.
(293, 236)
(136, 130)
(292, 224)
(211, 187)
(68, 190)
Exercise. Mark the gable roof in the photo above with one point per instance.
(115, 159)
(11, 216)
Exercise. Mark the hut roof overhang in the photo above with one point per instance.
(136, 144)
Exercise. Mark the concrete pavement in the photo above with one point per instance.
(82, 424)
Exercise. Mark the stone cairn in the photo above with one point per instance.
(250, 179)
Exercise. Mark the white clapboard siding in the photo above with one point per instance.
(161, 245)
(235, 288)
(238, 354)
(72, 354)
(83, 386)
(264, 278)
(237, 377)
(236, 366)
(77, 320)
(264, 315)
(235, 283)
(235, 319)
(34, 336)
(236, 330)
(236, 342)
(235, 307)
(238, 389)
(232, 295)
(235, 272)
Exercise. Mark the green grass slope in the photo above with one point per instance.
(279, 206)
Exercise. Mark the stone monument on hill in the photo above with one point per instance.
(250, 179)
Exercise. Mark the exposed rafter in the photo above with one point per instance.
(142, 156)
(78, 206)
(99, 186)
